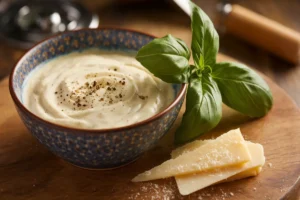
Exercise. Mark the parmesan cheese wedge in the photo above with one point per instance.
(190, 183)
(227, 150)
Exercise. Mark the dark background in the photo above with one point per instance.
(163, 17)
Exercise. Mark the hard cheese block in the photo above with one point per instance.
(190, 183)
(227, 150)
(197, 143)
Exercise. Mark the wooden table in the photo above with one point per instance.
(169, 19)
(29, 171)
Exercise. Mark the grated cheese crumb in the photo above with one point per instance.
(270, 164)
(153, 191)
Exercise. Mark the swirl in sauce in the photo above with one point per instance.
(95, 90)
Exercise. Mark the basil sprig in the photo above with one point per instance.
(210, 83)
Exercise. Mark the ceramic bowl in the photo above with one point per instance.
(94, 149)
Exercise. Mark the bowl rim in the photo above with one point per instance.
(20, 105)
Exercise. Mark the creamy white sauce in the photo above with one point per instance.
(95, 90)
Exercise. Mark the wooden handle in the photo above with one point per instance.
(263, 32)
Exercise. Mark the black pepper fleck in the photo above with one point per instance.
(143, 97)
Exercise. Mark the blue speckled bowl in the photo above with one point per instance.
(96, 149)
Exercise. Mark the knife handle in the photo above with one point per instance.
(263, 32)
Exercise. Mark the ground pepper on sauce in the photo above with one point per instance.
(113, 92)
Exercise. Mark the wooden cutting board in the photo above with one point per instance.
(29, 171)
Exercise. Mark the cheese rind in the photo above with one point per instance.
(250, 172)
(190, 183)
(227, 150)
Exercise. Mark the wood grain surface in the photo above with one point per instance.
(29, 171)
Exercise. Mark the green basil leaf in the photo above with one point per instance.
(203, 109)
(167, 58)
(242, 89)
(205, 39)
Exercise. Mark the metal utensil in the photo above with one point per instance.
(255, 29)
(24, 23)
